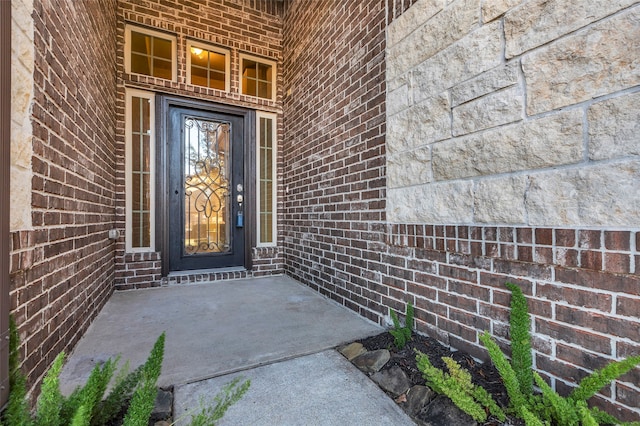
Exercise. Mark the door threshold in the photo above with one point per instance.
(202, 276)
(206, 271)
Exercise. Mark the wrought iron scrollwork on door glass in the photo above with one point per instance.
(207, 171)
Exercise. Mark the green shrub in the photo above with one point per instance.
(600, 378)
(50, 401)
(507, 373)
(124, 385)
(84, 407)
(521, 356)
(402, 335)
(560, 408)
(473, 400)
(144, 397)
(549, 407)
(230, 394)
(17, 412)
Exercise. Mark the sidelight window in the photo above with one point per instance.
(140, 171)
(266, 174)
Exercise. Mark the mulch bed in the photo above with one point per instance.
(484, 375)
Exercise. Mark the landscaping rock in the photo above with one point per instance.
(163, 404)
(372, 362)
(417, 398)
(353, 350)
(442, 411)
(393, 380)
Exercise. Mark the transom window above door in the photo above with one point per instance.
(149, 52)
(257, 77)
(208, 66)
(155, 53)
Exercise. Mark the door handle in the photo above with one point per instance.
(240, 214)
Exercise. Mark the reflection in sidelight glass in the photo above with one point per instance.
(140, 172)
(266, 176)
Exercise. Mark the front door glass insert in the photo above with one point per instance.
(207, 186)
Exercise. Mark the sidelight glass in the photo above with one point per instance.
(140, 172)
(266, 179)
(207, 186)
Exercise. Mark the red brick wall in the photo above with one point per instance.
(334, 148)
(583, 285)
(62, 270)
(247, 26)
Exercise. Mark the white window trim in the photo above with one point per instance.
(128, 171)
(210, 48)
(259, 115)
(262, 61)
(127, 49)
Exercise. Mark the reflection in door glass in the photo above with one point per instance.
(207, 167)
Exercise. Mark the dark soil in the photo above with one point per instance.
(484, 375)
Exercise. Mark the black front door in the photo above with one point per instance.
(206, 189)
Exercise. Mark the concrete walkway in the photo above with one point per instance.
(272, 330)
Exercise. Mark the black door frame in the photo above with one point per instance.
(163, 104)
(176, 153)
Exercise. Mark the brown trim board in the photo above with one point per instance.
(5, 140)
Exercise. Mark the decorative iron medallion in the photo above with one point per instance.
(207, 189)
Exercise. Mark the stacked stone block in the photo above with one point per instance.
(512, 141)
(503, 114)
(22, 60)
(469, 143)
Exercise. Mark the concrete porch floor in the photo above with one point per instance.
(261, 328)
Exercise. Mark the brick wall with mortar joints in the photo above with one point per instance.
(587, 297)
(62, 270)
(457, 283)
(240, 26)
(584, 315)
(334, 147)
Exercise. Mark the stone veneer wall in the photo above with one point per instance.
(61, 261)
(22, 57)
(406, 171)
(513, 155)
(241, 26)
(497, 116)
